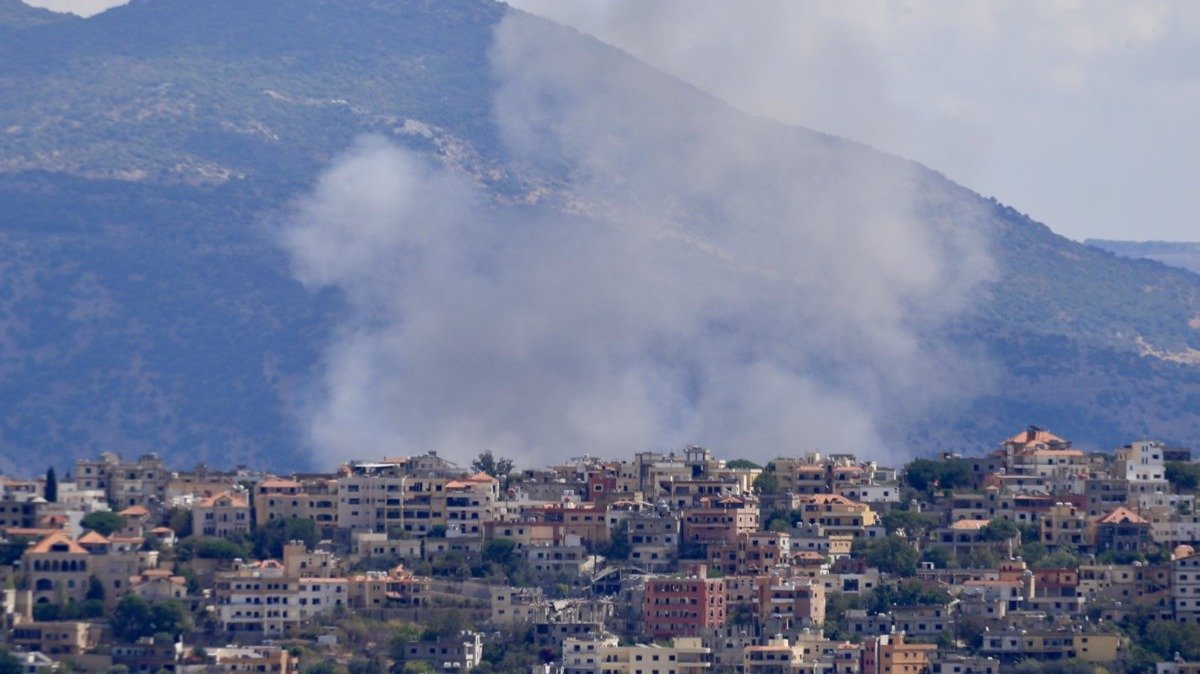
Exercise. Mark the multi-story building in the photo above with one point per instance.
(1121, 530)
(249, 660)
(470, 502)
(719, 520)
(1185, 588)
(456, 653)
(750, 554)
(785, 605)
(683, 606)
(222, 515)
(890, 654)
(257, 601)
(142, 482)
(57, 570)
(653, 539)
(837, 514)
(683, 656)
(1065, 524)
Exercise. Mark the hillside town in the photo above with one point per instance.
(1033, 557)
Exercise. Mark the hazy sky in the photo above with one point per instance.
(1081, 114)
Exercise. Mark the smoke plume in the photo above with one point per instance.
(675, 272)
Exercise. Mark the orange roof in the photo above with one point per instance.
(831, 498)
(135, 511)
(278, 482)
(235, 500)
(93, 538)
(1033, 436)
(1121, 515)
(481, 477)
(44, 546)
(969, 525)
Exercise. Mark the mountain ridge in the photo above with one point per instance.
(157, 137)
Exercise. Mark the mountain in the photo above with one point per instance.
(145, 304)
(1172, 253)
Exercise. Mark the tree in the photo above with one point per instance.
(742, 464)
(910, 521)
(135, 617)
(9, 663)
(1183, 476)
(939, 556)
(269, 538)
(499, 468)
(103, 522)
(205, 547)
(893, 554)
(179, 520)
(928, 475)
(50, 492)
(766, 483)
(95, 589)
(999, 530)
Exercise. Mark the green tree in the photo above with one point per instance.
(742, 464)
(893, 554)
(1185, 477)
(135, 617)
(939, 556)
(766, 483)
(50, 492)
(910, 521)
(928, 475)
(499, 468)
(618, 546)
(95, 589)
(179, 520)
(205, 547)
(103, 522)
(998, 530)
(9, 663)
(268, 539)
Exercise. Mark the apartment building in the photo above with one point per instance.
(890, 654)
(750, 554)
(714, 521)
(257, 601)
(126, 483)
(680, 607)
(682, 656)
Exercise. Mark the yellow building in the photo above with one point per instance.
(837, 514)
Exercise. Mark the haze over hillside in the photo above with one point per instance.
(294, 231)
(1173, 253)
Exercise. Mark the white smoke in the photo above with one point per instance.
(693, 276)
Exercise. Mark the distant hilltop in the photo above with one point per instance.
(1185, 255)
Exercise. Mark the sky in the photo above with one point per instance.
(1080, 114)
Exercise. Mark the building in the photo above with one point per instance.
(222, 515)
(682, 607)
(57, 570)
(890, 654)
(459, 653)
(682, 656)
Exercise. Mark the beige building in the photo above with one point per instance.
(683, 656)
(222, 515)
(57, 570)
